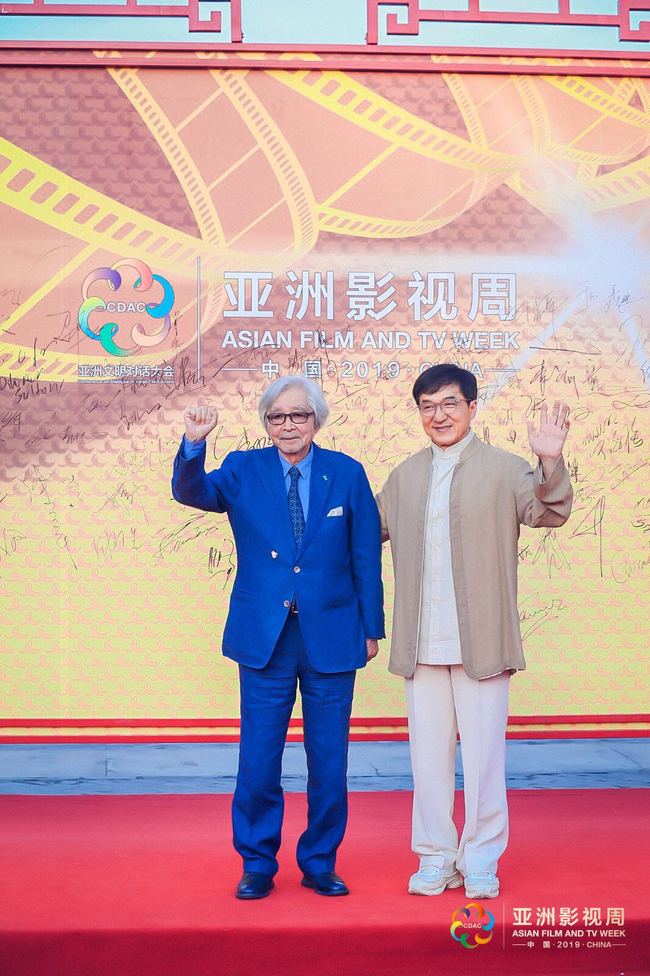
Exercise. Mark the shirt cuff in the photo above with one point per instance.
(190, 449)
(542, 478)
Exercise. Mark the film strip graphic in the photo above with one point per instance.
(628, 184)
(38, 190)
(97, 222)
(344, 96)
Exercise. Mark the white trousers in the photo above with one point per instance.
(442, 700)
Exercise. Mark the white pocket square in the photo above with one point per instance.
(335, 511)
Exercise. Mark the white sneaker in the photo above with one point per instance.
(433, 881)
(481, 884)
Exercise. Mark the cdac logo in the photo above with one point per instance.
(107, 331)
(468, 924)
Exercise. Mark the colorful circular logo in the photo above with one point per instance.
(470, 924)
(143, 281)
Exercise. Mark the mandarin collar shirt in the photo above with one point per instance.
(439, 639)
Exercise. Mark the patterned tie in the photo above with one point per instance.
(296, 513)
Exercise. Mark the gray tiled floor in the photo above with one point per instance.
(211, 767)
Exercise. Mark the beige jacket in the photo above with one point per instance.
(492, 493)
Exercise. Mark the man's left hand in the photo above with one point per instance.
(547, 441)
(372, 647)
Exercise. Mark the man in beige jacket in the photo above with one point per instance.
(452, 513)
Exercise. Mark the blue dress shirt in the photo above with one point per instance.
(304, 467)
(191, 449)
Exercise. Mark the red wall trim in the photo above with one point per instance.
(363, 722)
(637, 64)
(293, 737)
(350, 50)
(362, 729)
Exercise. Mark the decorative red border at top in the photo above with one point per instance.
(476, 14)
(131, 8)
(400, 29)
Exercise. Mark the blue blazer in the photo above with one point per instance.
(335, 576)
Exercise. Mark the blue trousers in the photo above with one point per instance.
(267, 698)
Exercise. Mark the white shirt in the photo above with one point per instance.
(439, 640)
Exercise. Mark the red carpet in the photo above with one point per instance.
(142, 886)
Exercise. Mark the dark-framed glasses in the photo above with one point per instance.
(448, 406)
(297, 417)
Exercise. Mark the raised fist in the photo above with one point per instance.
(199, 421)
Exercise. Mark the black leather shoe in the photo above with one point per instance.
(327, 883)
(254, 884)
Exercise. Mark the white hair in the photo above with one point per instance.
(313, 391)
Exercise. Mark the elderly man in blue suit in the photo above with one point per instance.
(306, 606)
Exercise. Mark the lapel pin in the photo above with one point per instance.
(274, 554)
(324, 477)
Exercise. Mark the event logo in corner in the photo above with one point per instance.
(472, 925)
(102, 318)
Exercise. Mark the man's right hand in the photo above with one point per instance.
(199, 422)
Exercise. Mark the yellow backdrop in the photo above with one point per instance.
(353, 227)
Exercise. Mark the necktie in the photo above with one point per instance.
(296, 513)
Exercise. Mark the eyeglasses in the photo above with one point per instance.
(448, 406)
(298, 418)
